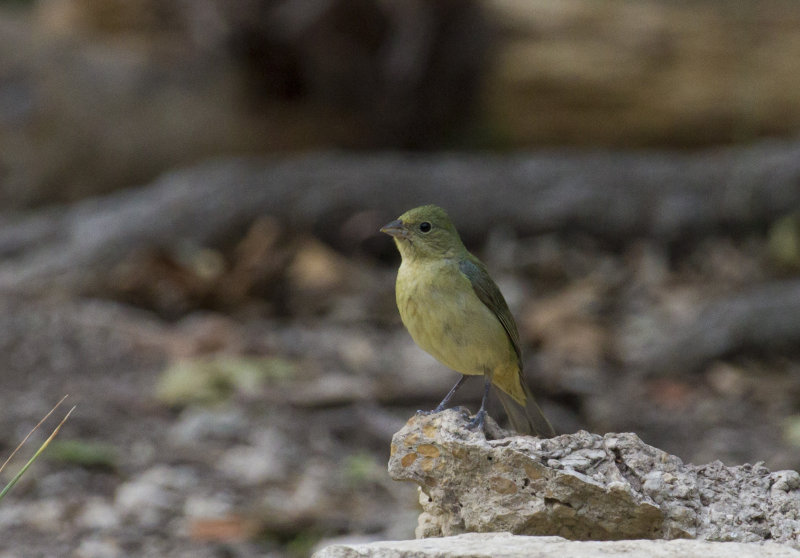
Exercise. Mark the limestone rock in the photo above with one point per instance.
(584, 486)
(504, 545)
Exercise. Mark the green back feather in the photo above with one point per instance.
(490, 295)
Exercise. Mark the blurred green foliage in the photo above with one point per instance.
(360, 468)
(84, 454)
(784, 241)
(217, 379)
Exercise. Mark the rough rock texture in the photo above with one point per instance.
(585, 486)
(506, 545)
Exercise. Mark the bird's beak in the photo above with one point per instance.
(396, 229)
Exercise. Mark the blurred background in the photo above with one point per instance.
(190, 194)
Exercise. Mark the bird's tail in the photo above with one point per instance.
(528, 418)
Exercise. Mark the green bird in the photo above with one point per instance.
(454, 310)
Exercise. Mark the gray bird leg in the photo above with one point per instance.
(480, 416)
(440, 407)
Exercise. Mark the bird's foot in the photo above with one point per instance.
(439, 408)
(431, 412)
(477, 421)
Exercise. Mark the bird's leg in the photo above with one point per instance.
(480, 416)
(440, 407)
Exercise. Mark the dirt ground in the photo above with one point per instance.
(208, 425)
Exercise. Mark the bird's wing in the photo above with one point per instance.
(523, 412)
(490, 295)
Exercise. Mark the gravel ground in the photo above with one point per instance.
(264, 429)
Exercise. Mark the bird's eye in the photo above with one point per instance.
(425, 227)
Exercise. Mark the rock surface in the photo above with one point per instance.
(584, 486)
(498, 545)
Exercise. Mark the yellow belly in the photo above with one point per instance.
(447, 319)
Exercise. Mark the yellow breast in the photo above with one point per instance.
(447, 319)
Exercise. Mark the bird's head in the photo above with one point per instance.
(425, 232)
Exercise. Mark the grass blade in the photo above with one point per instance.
(46, 443)
(34, 429)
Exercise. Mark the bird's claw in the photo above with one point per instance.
(438, 409)
(477, 421)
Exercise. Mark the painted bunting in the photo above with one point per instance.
(454, 311)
